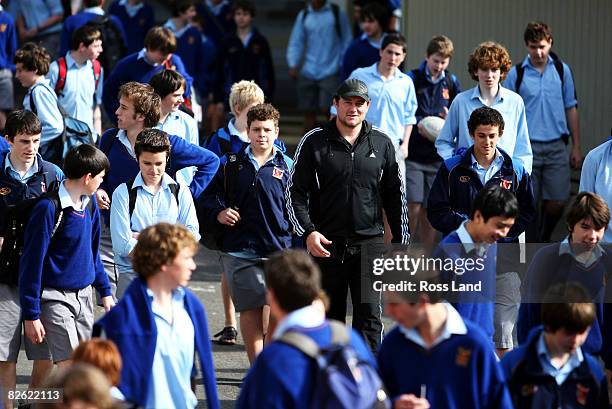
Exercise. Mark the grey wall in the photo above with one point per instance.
(582, 31)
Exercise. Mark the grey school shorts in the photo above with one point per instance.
(551, 170)
(316, 95)
(505, 311)
(10, 329)
(419, 179)
(68, 319)
(246, 282)
(7, 97)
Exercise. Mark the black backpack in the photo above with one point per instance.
(17, 217)
(343, 380)
(113, 42)
(520, 72)
(212, 232)
(133, 194)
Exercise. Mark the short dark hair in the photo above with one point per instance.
(181, 6)
(160, 39)
(92, 3)
(567, 306)
(85, 34)
(589, 206)
(485, 116)
(22, 122)
(294, 277)
(166, 82)
(263, 112)
(376, 12)
(244, 5)
(495, 201)
(394, 38)
(153, 141)
(537, 31)
(33, 57)
(84, 159)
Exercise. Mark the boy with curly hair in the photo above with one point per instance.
(488, 64)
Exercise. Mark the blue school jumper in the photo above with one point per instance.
(8, 40)
(136, 26)
(76, 21)
(131, 326)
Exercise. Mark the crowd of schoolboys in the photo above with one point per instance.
(125, 216)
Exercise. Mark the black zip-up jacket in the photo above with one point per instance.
(340, 190)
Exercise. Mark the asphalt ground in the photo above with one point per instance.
(231, 363)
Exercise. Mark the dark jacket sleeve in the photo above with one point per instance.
(301, 182)
(185, 154)
(527, 207)
(439, 210)
(212, 201)
(394, 197)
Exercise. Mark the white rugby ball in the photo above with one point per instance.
(430, 127)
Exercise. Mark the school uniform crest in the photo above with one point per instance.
(3, 28)
(463, 357)
(191, 40)
(529, 390)
(278, 172)
(445, 93)
(43, 186)
(256, 49)
(506, 184)
(5, 191)
(464, 179)
(581, 394)
(231, 158)
(142, 22)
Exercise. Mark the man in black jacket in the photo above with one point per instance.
(343, 176)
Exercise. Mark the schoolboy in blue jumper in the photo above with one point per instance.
(551, 106)
(488, 64)
(493, 214)
(552, 369)
(32, 64)
(365, 50)
(23, 175)
(189, 44)
(137, 18)
(283, 377)
(461, 177)
(218, 21)
(81, 91)
(247, 197)
(244, 55)
(8, 46)
(578, 258)
(61, 260)
(159, 326)
(157, 54)
(170, 86)
(92, 10)
(158, 199)
(139, 109)
(436, 358)
(436, 89)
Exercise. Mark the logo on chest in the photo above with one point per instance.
(463, 357)
(277, 173)
(5, 191)
(506, 184)
(464, 179)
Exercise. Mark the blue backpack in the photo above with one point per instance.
(343, 380)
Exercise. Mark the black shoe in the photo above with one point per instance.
(227, 336)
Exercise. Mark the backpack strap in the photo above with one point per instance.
(132, 195)
(61, 76)
(520, 71)
(97, 71)
(450, 84)
(107, 144)
(340, 334)
(167, 63)
(59, 212)
(301, 342)
(225, 144)
(175, 188)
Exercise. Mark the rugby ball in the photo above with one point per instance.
(430, 127)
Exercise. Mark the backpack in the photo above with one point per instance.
(63, 72)
(335, 11)
(112, 40)
(420, 81)
(343, 380)
(133, 194)
(17, 217)
(212, 233)
(520, 72)
(76, 132)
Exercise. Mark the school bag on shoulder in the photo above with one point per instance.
(17, 217)
(76, 132)
(212, 233)
(112, 41)
(343, 380)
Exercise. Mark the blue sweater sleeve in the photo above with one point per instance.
(179, 65)
(185, 154)
(36, 239)
(101, 282)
